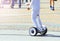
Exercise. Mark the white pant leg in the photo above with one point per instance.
(38, 18)
(34, 18)
(39, 21)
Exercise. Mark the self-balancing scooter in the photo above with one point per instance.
(33, 31)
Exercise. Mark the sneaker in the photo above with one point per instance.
(52, 8)
(19, 6)
(40, 29)
(12, 6)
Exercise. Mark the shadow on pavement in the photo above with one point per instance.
(49, 35)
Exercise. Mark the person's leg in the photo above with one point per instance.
(34, 16)
(39, 21)
(36, 20)
(1, 4)
(12, 4)
(9, 1)
(52, 5)
(19, 3)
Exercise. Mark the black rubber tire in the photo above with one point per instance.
(33, 31)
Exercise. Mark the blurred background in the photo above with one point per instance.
(15, 16)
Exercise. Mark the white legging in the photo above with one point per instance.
(36, 19)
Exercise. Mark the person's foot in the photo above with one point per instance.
(19, 6)
(12, 6)
(52, 8)
(41, 29)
